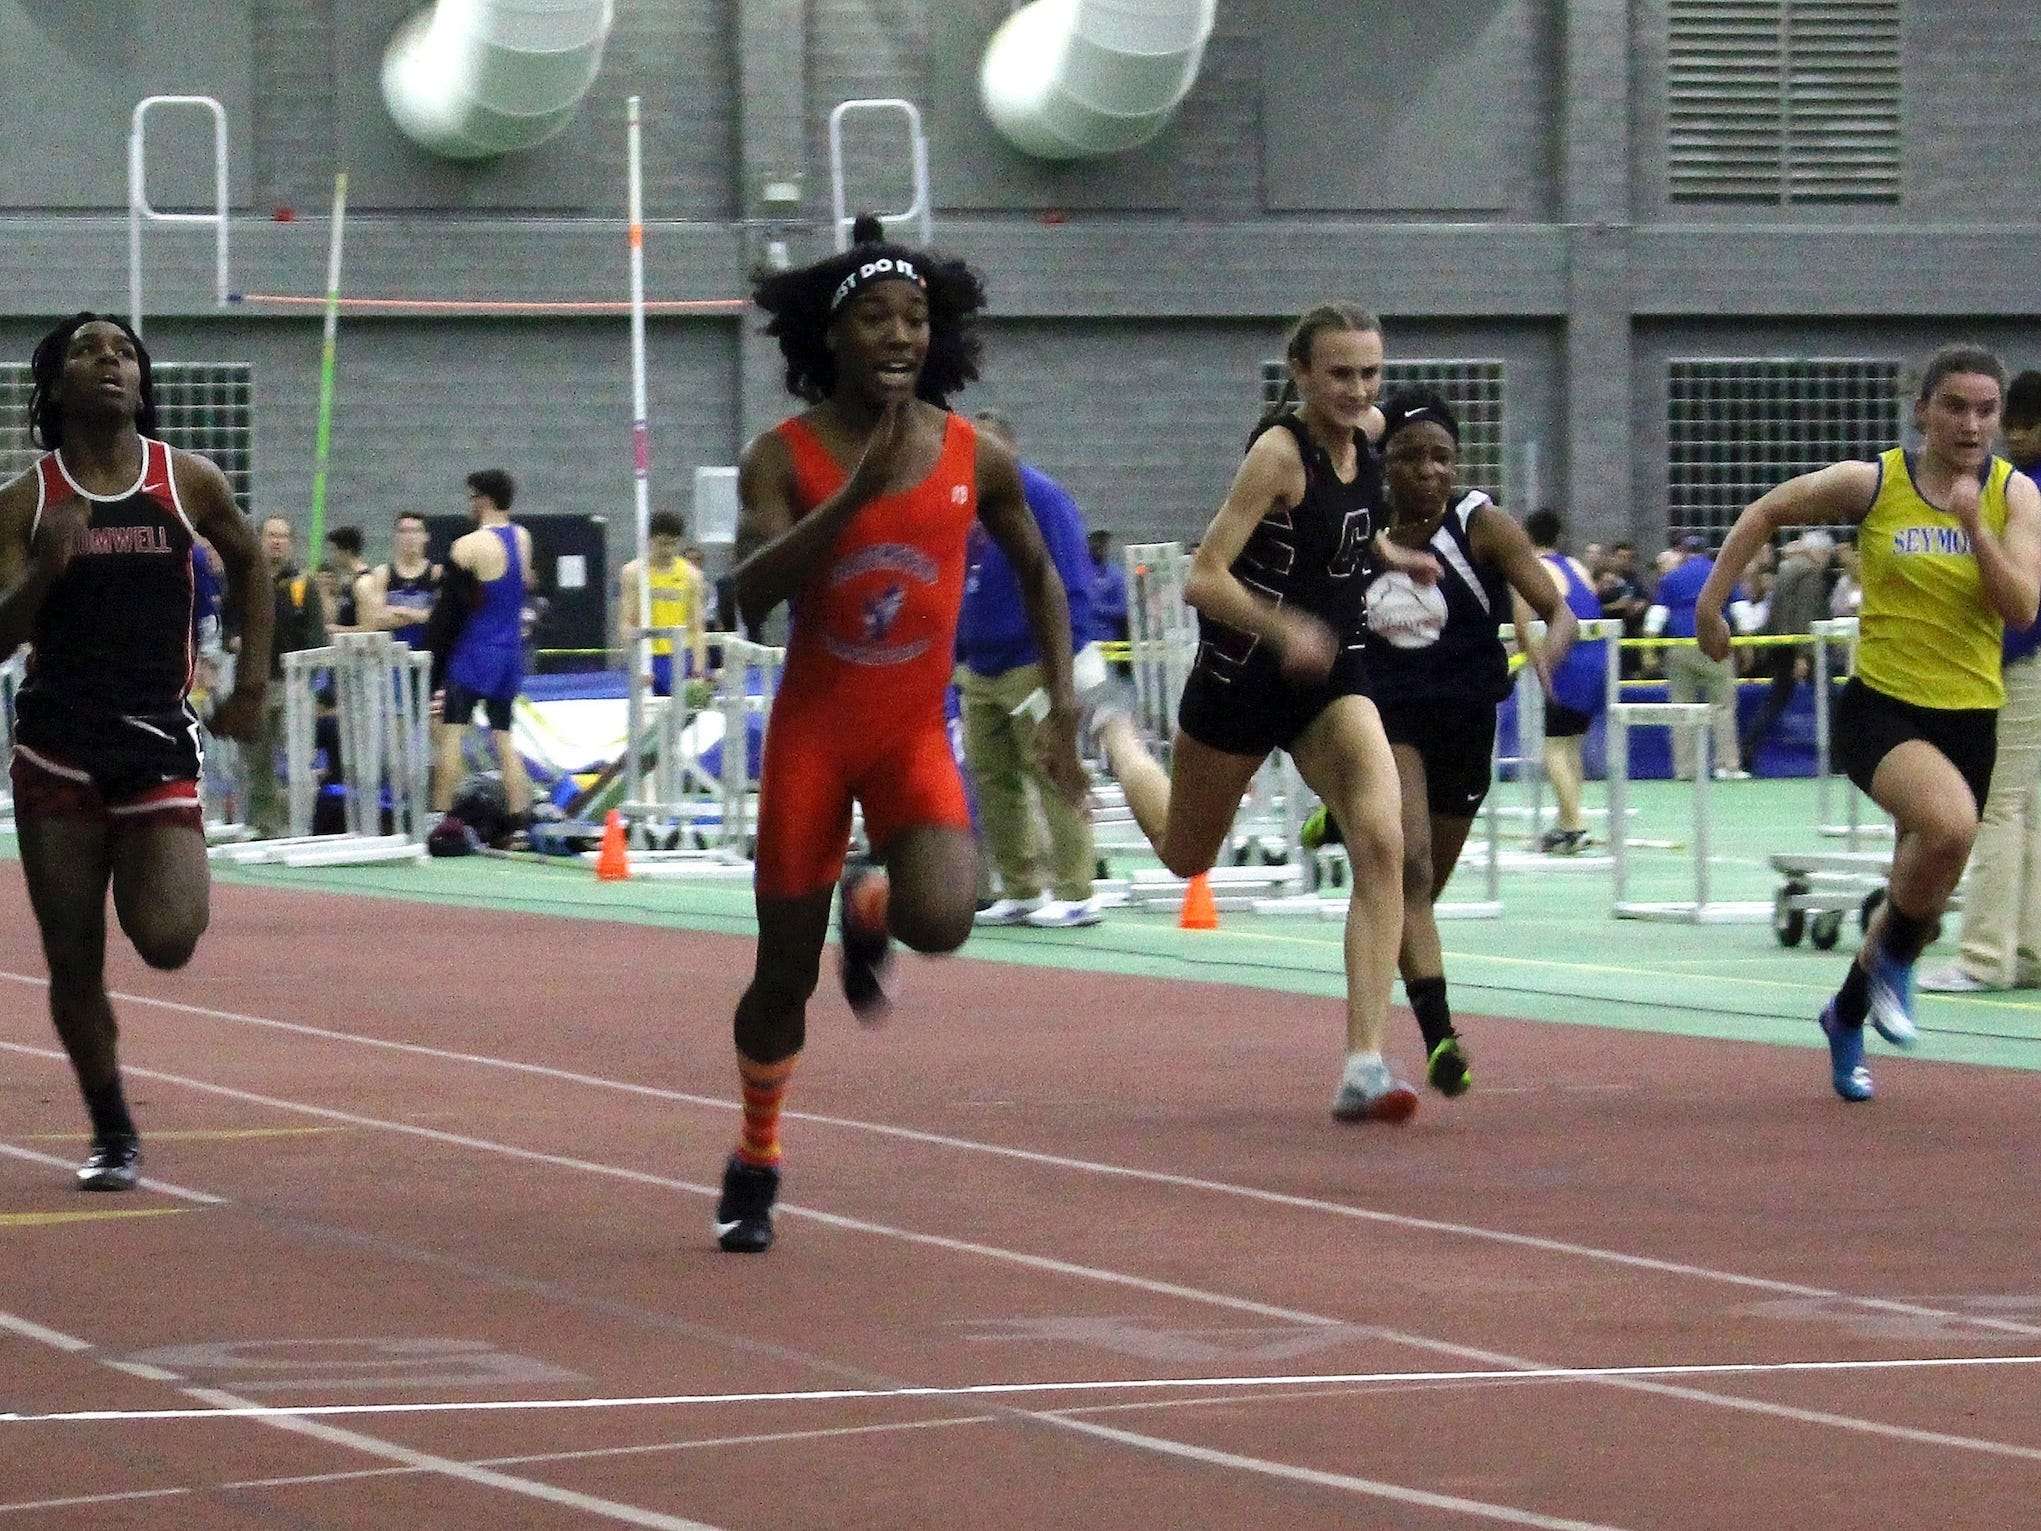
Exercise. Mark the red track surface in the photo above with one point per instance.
(559, 1229)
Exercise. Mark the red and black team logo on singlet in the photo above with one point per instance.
(114, 636)
(877, 577)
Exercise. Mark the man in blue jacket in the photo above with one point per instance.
(1109, 594)
(998, 672)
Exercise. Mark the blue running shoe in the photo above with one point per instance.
(1846, 1056)
(1891, 1007)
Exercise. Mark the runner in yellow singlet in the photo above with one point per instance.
(1950, 538)
(677, 591)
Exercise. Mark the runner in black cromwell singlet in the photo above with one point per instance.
(1313, 557)
(1278, 582)
(96, 575)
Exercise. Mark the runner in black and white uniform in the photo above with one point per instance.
(1278, 583)
(1437, 670)
(96, 576)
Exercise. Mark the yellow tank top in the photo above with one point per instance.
(672, 599)
(1929, 636)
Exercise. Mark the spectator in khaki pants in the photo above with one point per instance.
(300, 624)
(1692, 676)
(998, 670)
(2002, 899)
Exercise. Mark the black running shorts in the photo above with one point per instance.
(1564, 722)
(1456, 742)
(458, 704)
(1251, 709)
(1868, 725)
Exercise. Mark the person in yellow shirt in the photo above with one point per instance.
(1950, 543)
(678, 600)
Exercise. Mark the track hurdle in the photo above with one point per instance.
(1162, 634)
(1827, 634)
(724, 817)
(1529, 758)
(1162, 645)
(656, 730)
(381, 689)
(1702, 909)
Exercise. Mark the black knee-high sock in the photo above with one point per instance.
(1906, 935)
(1428, 1002)
(108, 1108)
(1853, 999)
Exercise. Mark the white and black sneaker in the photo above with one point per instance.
(1064, 914)
(744, 1211)
(1368, 1092)
(1007, 911)
(113, 1164)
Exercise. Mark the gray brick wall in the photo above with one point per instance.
(1127, 337)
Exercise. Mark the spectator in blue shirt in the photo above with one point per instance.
(999, 673)
(1109, 592)
(1690, 675)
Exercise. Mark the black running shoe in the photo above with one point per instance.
(112, 1166)
(744, 1214)
(867, 948)
(1447, 1070)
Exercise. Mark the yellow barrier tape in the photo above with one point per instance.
(1121, 651)
(1742, 641)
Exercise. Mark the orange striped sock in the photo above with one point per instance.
(765, 1087)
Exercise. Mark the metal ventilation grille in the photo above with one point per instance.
(1843, 100)
(202, 409)
(1736, 428)
(1725, 100)
(1473, 388)
(1783, 101)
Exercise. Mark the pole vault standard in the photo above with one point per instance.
(329, 351)
(641, 432)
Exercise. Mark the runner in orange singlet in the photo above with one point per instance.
(856, 512)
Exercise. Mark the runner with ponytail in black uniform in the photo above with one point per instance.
(1279, 583)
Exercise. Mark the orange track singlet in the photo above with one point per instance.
(860, 708)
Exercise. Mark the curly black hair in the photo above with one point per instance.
(46, 373)
(797, 304)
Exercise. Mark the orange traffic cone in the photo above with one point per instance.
(1199, 912)
(612, 862)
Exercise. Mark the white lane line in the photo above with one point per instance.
(1009, 1389)
(389, 1451)
(160, 1187)
(481, 1477)
(1564, 1247)
(143, 1370)
(79, 1501)
(50, 1337)
(1098, 1274)
(698, 1443)
(1037, 1262)
(536, 1459)
(1741, 1404)
(1373, 1488)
